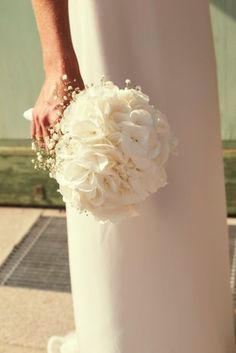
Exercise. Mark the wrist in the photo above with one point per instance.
(59, 63)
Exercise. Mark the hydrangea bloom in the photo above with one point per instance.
(112, 152)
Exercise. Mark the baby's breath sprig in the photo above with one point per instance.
(128, 85)
(44, 160)
(45, 153)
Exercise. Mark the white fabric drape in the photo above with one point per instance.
(157, 283)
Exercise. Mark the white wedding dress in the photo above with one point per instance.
(159, 282)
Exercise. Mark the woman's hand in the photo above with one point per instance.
(47, 109)
(59, 58)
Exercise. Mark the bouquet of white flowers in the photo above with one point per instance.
(110, 150)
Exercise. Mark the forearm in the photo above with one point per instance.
(59, 58)
(52, 19)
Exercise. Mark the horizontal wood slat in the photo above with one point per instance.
(21, 185)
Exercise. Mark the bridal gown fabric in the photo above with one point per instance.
(159, 282)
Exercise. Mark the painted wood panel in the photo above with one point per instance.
(223, 14)
(20, 66)
(22, 73)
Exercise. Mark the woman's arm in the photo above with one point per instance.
(59, 58)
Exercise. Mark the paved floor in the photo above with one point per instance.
(29, 317)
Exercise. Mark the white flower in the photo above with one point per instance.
(112, 152)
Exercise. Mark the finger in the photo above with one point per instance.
(45, 131)
(53, 131)
(54, 117)
(44, 124)
(33, 126)
(33, 130)
(38, 132)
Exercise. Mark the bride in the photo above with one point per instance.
(159, 282)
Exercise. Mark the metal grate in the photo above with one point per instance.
(40, 260)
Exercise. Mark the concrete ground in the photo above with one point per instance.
(28, 317)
